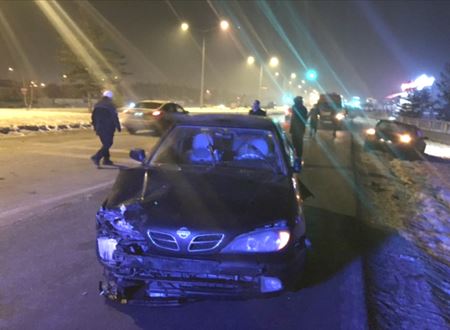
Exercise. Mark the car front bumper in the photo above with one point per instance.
(166, 280)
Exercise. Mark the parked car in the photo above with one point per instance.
(215, 210)
(403, 140)
(153, 115)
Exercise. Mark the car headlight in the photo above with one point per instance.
(106, 247)
(370, 131)
(340, 116)
(117, 221)
(405, 138)
(259, 241)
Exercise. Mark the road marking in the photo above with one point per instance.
(6, 216)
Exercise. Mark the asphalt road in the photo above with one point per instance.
(50, 191)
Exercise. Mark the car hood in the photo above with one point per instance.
(214, 199)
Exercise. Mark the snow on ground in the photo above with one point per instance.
(413, 197)
(17, 117)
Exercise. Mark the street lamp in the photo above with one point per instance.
(10, 69)
(273, 62)
(224, 26)
(293, 76)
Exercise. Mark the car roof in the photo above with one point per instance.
(397, 123)
(227, 120)
(155, 101)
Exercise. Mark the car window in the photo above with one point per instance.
(179, 109)
(169, 107)
(199, 146)
(148, 105)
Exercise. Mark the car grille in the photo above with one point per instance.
(163, 240)
(205, 242)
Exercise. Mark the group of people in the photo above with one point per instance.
(299, 119)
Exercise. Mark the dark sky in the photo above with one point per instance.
(358, 48)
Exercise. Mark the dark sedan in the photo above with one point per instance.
(403, 140)
(215, 210)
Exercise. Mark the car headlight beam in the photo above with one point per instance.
(405, 138)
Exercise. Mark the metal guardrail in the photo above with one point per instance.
(438, 126)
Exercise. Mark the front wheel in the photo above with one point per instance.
(132, 131)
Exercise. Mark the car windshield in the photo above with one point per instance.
(394, 127)
(199, 146)
(148, 105)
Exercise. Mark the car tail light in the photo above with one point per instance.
(156, 113)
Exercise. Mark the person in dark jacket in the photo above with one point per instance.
(105, 121)
(313, 120)
(256, 109)
(298, 124)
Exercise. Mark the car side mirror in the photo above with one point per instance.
(297, 167)
(137, 155)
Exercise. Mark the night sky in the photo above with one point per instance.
(358, 48)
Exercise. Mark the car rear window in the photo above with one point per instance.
(253, 149)
(148, 105)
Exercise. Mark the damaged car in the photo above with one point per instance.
(213, 211)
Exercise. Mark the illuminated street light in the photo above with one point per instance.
(184, 26)
(277, 74)
(250, 60)
(274, 61)
(293, 76)
(303, 82)
(64, 76)
(299, 86)
(116, 77)
(290, 82)
(10, 69)
(42, 85)
(224, 25)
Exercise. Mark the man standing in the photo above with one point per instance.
(313, 120)
(105, 122)
(298, 124)
(256, 109)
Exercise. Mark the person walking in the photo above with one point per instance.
(313, 120)
(298, 124)
(105, 121)
(256, 109)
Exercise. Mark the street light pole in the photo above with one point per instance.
(202, 78)
(260, 81)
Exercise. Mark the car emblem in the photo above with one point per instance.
(183, 232)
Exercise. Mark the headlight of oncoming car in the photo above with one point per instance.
(405, 138)
(370, 131)
(259, 241)
(340, 116)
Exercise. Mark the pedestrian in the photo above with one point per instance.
(313, 120)
(256, 109)
(298, 124)
(105, 121)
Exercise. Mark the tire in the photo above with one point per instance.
(132, 131)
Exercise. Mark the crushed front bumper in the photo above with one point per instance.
(162, 280)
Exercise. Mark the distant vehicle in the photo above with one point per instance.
(332, 114)
(215, 210)
(403, 140)
(155, 115)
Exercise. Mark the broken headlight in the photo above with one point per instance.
(117, 220)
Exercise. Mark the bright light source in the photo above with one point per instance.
(370, 131)
(250, 60)
(311, 74)
(340, 116)
(405, 138)
(64, 76)
(274, 61)
(10, 69)
(208, 91)
(224, 25)
(277, 74)
(184, 26)
(303, 82)
(419, 83)
(131, 105)
(42, 85)
(283, 239)
(293, 76)
(156, 113)
(299, 86)
(116, 77)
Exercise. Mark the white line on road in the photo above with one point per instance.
(6, 217)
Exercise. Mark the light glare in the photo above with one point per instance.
(224, 25)
(184, 26)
